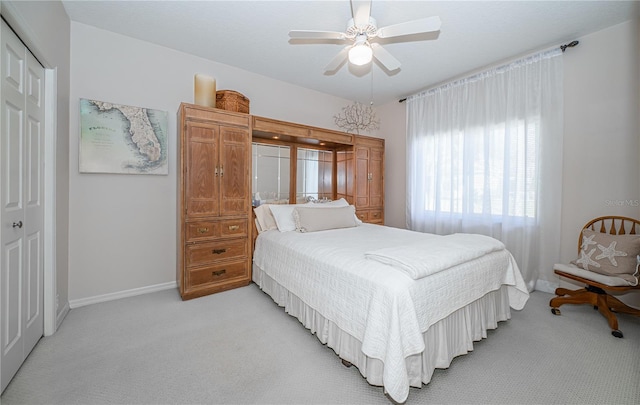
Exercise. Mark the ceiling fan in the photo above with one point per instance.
(361, 34)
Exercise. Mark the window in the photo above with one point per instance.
(491, 172)
(484, 155)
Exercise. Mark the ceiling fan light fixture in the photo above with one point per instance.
(362, 32)
(360, 54)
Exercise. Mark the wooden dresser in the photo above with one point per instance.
(214, 200)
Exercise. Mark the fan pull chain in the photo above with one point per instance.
(372, 66)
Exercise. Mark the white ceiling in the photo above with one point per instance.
(253, 35)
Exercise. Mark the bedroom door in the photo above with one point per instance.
(21, 207)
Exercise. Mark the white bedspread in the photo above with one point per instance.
(377, 304)
(423, 259)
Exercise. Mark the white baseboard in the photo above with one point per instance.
(61, 315)
(546, 286)
(81, 302)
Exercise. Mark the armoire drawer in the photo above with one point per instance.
(218, 273)
(209, 252)
(203, 230)
(375, 216)
(371, 216)
(234, 227)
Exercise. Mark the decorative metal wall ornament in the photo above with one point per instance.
(357, 117)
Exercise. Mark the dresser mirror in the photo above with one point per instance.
(271, 173)
(288, 174)
(314, 175)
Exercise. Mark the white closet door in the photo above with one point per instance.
(21, 203)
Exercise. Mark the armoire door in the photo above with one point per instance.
(376, 170)
(235, 155)
(202, 177)
(363, 177)
(21, 204)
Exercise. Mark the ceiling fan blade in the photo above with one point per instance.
(316, 35)
(361, 11)
(384, 57)
(410, 27)
(338, 60)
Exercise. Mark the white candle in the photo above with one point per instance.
(204, 90)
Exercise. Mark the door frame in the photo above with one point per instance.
(50, 296)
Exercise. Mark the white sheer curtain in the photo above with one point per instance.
(484, 155)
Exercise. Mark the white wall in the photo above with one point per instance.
(122, 232)
(45, 28)
(601, 136)
(393, 128)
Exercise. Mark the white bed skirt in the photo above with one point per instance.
(450, 337)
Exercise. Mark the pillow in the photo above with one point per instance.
(265, 219)
(334, 203)
(258, 227)
(312, 219)
(611, 255)
(283, 215)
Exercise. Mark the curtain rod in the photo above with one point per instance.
(562, 47)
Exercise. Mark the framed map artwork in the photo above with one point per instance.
(116, 138)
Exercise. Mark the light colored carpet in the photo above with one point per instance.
(238, 347)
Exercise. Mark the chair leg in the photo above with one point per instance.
(604, 309)
(601, 301)
(564, 291)
(574, 297)
(620, 307)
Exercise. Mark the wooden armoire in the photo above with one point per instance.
(360, 177)
(369, 179)
(214, 200)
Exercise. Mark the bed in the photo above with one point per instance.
(396, 326)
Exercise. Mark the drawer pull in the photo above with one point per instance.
(234, 227)
(218, 273)
(203, 230)
(218, 251)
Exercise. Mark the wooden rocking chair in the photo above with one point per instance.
(597, 285)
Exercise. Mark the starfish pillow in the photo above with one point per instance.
(611, 255)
